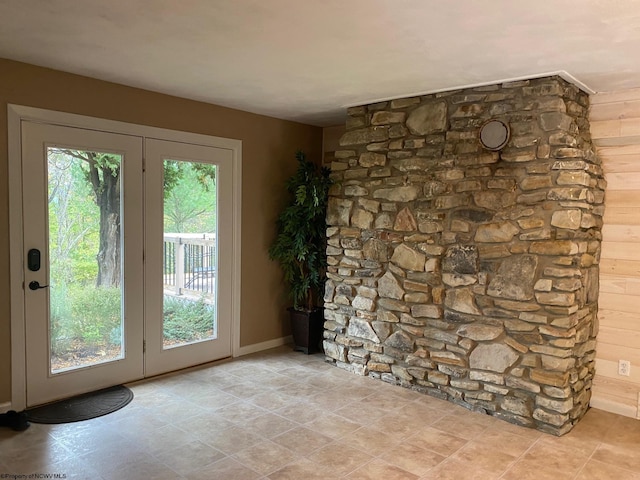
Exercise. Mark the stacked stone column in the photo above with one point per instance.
(467, 274)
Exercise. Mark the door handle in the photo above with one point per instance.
(35, 285)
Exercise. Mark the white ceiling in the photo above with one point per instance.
(306, 60)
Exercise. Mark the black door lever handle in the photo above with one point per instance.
(35, 285)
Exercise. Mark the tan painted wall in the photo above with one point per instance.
(268, 146)
(615, 128)
(331, 142)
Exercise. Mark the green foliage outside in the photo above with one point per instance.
(300, 244)
(186, 320)
(82, 312)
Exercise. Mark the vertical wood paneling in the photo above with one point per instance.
(615, 127)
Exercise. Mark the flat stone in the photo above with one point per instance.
(494, 357)
(461, 259)
(383, 221)
(556, 298)
(457, 280)
(427, 119)
(375, 249)
(448, 358)
(338, 211)
(461, 300)
(363, 303)
(569, 219)
(372, 159)
(408, 258)
(480, 332)
(496, 232)
(416, 297)
(399, 194)
(554, 247)
(362, 219)
(385, 118)
(363, 136)
(389, 287)
(522, 384)
(555, 419)
(555, 379)
(417, 286)
(514, 279)
(405, 221)
(355, 191)
(557, 364)
(560, 406)
(429, 311)
(555, 121)
(386, 316)
(573, 178)
(401, 341)
(335, 351)
(362, 329)
(494, 378)
(392, 304)
(494, 200)
(518, 406)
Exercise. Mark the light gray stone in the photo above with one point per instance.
(480, 332)
(461, 300)
(427, 119)
(382, 329)
(408, 258)
(569, 219)
(389, 287)
(363, 303)
(429, 311)
(496, 232)
(399, 194)
(494, 357)
(400, 341)
(335, 351)
(362, 329)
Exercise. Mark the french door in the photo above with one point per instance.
(123, 271)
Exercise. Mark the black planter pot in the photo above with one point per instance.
(306, 329)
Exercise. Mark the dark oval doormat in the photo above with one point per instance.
(82, 407)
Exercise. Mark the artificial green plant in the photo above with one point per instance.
(300, 245)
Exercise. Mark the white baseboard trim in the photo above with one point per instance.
(5, 407)
(259, 347)
(613, 407)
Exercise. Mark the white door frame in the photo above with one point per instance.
(16, 114)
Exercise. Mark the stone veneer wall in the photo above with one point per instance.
(467, 274)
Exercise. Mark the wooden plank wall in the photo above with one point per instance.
(615, 128)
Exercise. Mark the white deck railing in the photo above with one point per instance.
(190, 263)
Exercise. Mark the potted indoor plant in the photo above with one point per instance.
(300, 248)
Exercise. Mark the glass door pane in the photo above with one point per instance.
(82, 203)
(85, 252)
(190, 253)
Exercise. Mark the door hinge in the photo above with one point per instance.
(144, 346)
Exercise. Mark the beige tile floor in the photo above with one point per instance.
(282, 415)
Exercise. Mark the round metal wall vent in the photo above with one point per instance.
(494, 135)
